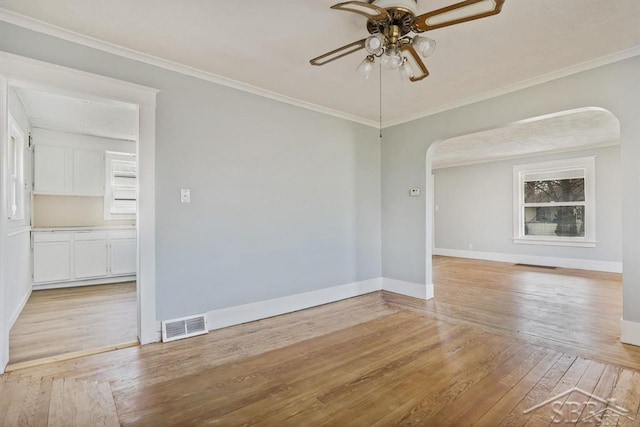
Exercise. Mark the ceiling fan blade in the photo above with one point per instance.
(416, 60)
(338, 53)
(370, 11)
(456, 13)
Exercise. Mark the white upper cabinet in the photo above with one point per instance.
(88, 172)
(52, 173)
(71, 164)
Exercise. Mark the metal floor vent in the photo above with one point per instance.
(184, 327)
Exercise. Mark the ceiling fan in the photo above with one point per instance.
(392, 24)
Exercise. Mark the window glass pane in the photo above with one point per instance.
(562, 221)
(557, 190)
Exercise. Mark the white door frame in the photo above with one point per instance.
(20, 71)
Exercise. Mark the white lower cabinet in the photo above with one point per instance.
(90, 255)
(81, 256)
(122, 253)
(53, 254)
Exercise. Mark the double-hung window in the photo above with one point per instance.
(15, 191)
(554, 202)
(121, 187)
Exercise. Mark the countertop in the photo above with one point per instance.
(85, 228)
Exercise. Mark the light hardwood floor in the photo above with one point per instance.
(381, 359)
(60, 321)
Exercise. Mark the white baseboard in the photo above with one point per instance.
(630, 332)
(230, 316)
(581, 264)
(18, 310)
(90, 282)
(415, 290)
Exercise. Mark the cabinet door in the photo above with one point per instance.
(90, 259)
(51, 262)
(51, 170)
(88, 173)
(123, 257)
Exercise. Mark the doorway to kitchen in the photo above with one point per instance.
(80, 257)
(79, 171)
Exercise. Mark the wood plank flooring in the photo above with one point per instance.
(67, 320)
(380, 359)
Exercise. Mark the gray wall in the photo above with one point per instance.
(284, 200)
(475, 205)
(615, 87)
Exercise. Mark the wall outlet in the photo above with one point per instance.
(470, 246)
(185, 195)
(414, 192)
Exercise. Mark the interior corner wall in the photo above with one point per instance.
(475, 207)
(615, 87)
(283, 200)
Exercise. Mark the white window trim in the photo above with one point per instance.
(19, 136)
(108, 192)
(588, 164)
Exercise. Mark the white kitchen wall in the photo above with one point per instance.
(283, 200)
(17, 272)
(475, 207)
(71, 211)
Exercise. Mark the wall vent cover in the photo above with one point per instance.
(184, 327)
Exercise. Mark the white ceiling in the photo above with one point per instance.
(96, 117)
(268, 44)
(564, 131)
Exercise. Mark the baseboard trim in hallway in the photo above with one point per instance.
(68, 356)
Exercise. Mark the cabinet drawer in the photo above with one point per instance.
(90, 235)
(122, 234)
(51, 237)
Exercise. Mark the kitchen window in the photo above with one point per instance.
(121, 187)
(554, 202)
(15, 190)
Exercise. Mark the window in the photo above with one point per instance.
(120, 200)
(15, 192)
(554, 202)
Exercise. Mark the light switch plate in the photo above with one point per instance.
(414, 192)
(185, 195)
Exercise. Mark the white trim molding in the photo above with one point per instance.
(230, 316)
(580, 264)
(415, 290)
(224, 317)
(577, 167)
(18, 310)
(514, 87)
(84, 40)
(629, 332)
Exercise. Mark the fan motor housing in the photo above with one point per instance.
(402, 13)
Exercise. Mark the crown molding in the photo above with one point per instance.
(544, 78)
(88, 41)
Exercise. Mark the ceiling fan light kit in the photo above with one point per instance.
(393, 27)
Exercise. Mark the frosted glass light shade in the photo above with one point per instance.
(391, 59)
(365, 67)
(406, 71)
(374, 44)
(424, 45)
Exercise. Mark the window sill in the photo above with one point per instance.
(554, 242)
